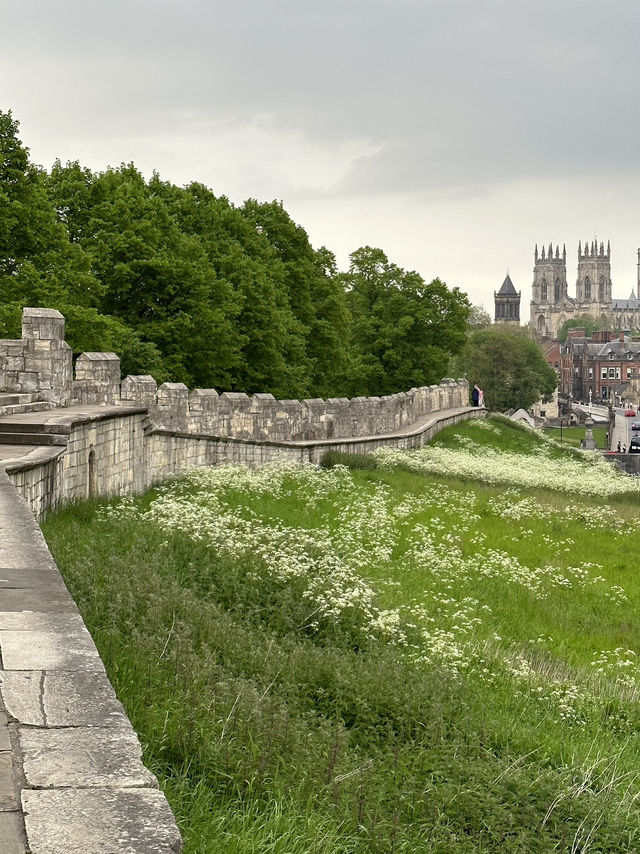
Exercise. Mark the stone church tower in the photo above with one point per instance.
(593, 288)
(507, 304)
(549, 290)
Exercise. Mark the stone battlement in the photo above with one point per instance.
(41, 362)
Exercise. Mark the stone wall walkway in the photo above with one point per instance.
(71, 777)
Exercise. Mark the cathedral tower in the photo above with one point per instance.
(549, 289)
(593, 288)
(507, 304)
(549, 276)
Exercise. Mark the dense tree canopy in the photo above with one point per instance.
(403, 330)
(186, 286)
(582, 321)
(508, 367)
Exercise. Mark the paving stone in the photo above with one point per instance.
(84, 757)
(99, 821)
(61, 699)
(29, 621)
(12, 833)
(22, 696)
(5, 741)
(8, 800)
(40, 599)
(16, 550)
(27, 577)
(37, 650)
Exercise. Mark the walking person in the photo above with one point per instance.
(480, 398)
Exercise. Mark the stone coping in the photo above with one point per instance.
(81, 415)
(413, 429)
(71, 774)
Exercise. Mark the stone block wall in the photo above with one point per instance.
(41, 361)
(115, 452)
(262, 417)
(97, 378)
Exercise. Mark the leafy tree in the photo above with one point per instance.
(153, 277)
(479, 317)
(271, 346)
(403, 330)
(586, 321)
(38, 264)
(314, 292)
(508, 367)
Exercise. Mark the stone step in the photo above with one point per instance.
(32, 427)
(9, 398)
(20, 408)
(33, 438)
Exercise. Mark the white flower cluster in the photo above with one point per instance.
(364, 532)
(587, 475)
(618, 664)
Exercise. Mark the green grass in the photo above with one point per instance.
(573, 436)
(485, 719)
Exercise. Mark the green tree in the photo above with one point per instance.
(272, 351)
(404, 331)
(508, 367)
(38, 263)
(586, 321)
(153, 277)
(479, 317)
(314, 293)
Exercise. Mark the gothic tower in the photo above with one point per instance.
(593, 288)
(549, 288)
(507, 304)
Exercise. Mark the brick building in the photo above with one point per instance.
(605, 364)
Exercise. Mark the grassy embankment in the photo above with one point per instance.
(573, 436)
(379, 660)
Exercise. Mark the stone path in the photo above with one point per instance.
(71, 776)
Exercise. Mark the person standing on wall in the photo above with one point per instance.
(475, 395)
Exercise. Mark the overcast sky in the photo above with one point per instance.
(453, 134)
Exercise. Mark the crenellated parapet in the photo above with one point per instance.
(41, 362)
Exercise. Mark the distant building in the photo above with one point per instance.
(605, 364)
(507, 304)
(551, 304)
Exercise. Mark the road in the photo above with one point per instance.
(622, 430)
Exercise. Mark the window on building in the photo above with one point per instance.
(604, 373)
(617, 373)
(612, 373)
(590, 373)
(629, 372)
(587, 288)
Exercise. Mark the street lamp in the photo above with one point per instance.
(566, 424)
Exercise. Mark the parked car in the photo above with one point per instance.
(634, 446)
(635, 425)
(630, 413)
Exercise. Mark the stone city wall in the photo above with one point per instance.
(41, 362)
(117, 452)
(72, 779)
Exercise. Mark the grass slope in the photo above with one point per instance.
(384, 660)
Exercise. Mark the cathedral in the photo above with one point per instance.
(551, 304)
